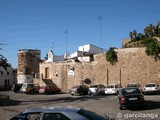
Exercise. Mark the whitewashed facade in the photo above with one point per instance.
(85, 53)
(7, 77)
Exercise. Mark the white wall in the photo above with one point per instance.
(90, 48)
(6, 75)
(24, 79)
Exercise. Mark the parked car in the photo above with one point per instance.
(29, 88)
(112, 88)
(58, 113)
(16, 87)
(49, 89)
(134, 85)
(80, 89)
(129, 97)
(151, 88)
(96, 89)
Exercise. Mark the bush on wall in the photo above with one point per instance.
(111, 56)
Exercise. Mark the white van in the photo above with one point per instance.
(112, 88)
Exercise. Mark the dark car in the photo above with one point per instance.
(49, 89)
(134, 85)
(79, 90)
(128, 97)
(58, 113)
(16, 87)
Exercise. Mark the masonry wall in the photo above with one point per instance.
(133, 66)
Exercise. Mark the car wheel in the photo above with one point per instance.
(31, 92)
(15, 91)
(121, 107)
(157, 92)
(118, 101)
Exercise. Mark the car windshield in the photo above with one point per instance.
(130, 91)
(150, 85)
(30, 85)
(132, 85)
(110, 86)
(93, 86)
(91, 115)
(75, 87)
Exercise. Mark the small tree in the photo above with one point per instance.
(152, 48)
(134, 34)
(4, 62)
(140, 36)
(111, 56)
(46, 57)
(131, 35)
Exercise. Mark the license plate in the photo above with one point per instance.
(132, 98)
(109, 89)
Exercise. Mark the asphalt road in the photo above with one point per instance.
(103, 105)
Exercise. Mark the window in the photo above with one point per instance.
(55, 116)
(7, 73)
(33, 116)
(90, 115)
(1, 73)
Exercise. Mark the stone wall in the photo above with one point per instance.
(133, 66)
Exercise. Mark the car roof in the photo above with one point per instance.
(133, 83)
(150, 83)
(71, 112)
(113, 84)
(129, 88)
(52, 109)
(96, 84)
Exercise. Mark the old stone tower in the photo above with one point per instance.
(28, 64)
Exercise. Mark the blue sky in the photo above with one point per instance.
(41, 24)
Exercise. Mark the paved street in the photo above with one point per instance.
(104, 105)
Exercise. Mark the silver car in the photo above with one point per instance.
(58, 113)
(151, 88)
(96, 89)
(112, 88)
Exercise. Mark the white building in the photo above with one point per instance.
(7, 77)
(85, 53)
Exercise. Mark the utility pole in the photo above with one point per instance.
(100, 29)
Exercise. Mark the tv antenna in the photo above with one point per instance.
(1, 44)
(52, 47)
(66, 33)
(100, 29)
